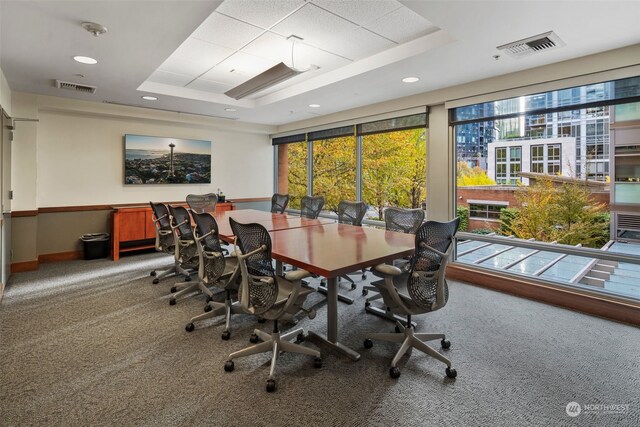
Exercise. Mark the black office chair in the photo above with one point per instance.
(279, 203)
(164, 240)
(419, 288)
(402, 221)
(186, 253)
(310, 206)
(272, 297)
(202, 202)
(215, 270)
(351, 213)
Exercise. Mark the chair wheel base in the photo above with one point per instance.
(226, 335)
(253, 339)
(155, 281)
(451, 373)
(172, 301)
(445, 343)
(271, 386)
(368, 343)
(189, 328)
(153, 273)
(228, 366)
(394, 372)
(173, 289)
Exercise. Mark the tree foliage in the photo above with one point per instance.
(462, 212)
(470, 176)
(565, 214)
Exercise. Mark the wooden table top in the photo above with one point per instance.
(332, 250)
(270, 221)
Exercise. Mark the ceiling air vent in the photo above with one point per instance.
(75, 86)
(531, 45)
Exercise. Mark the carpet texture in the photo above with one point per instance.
(93, 343)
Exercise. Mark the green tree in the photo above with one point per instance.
(462, 212)
(297, 175)
(469, 176)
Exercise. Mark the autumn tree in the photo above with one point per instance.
(470, 176)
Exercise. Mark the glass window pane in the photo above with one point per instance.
(334, 170)
(292, 164)
(394, 170)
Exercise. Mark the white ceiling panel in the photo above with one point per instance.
(168, 78)
(227, 32)
(194, 57)
(361, 12)
(244, 67)
(263, 13)
(402, 25)
(209, 86)
(313, 24)
(358, 44)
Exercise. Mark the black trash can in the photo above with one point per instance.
(96, 245)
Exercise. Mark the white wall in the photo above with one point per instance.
(78, 155)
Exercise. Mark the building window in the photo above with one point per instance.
(554, 159)
(537, 158)
(485, 211)
(501, 165)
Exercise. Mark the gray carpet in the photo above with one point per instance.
(92, 343)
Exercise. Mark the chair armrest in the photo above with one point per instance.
(296, 275)
(387, 270)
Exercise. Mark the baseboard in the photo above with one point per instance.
(19, 267)
(601, 306)
(61, 256)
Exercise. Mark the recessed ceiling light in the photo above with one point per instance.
(230, 109)
(149, 98)
(314, 105)
(85, 60)
(410, 79)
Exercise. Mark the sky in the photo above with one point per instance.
(139, 142)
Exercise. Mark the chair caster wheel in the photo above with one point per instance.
(445, 343)
(300, 337)
(189, 328)
(367, 304)
(451, 373)
(187, 278)
(172, 301)
(228, 366)
(368, 343)
(226, 335)
(364, 277)
(394, 372)
(152, 274)
(156, 281)
(397, 329)
(262, 320)
(365, 292)
(317, 363)
(173, 289)
(209, 299)
(271, 386)
(253, 339)
(353, 287)
(207, 308)
(323, 283)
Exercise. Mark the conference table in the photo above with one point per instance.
(326, 248)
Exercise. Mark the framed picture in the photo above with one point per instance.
(157, 160)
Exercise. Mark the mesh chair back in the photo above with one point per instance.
(351, 212)
(202, 202)
(279, 203)
(180, 218)
(212, 258)
(262, 294)
(310, 207)
(422, 282)
(403, 220)
(164, 235)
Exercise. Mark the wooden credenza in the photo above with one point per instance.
(132, 227)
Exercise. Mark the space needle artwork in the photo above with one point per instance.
(157, 160)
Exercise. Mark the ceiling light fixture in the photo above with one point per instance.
(268, 78)
(410, 79)
(314, 105)
(231, 110)
(149, 98)
(85, 60)
(93, 28)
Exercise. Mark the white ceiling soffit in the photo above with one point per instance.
(243, 38)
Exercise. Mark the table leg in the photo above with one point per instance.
(332, 322)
